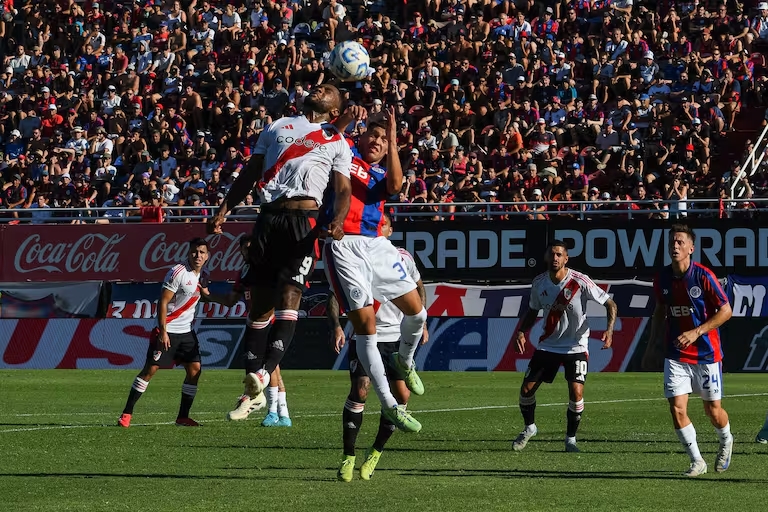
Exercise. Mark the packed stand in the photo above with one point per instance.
(160, 103)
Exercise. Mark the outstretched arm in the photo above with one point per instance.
(394, 168)
(242, 186)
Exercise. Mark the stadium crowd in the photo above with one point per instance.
(152, 102)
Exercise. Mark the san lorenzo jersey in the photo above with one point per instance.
(388, 316)
(565, 330)
(185, 285)
(691, 300)
(299, 158)
(369, 192)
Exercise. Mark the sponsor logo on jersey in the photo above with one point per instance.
(680, 311)
(301, 141)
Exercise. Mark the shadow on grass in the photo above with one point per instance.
(525, 473)
(249, 478)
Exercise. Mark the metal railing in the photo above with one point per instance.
(754, 159)
(585, 210)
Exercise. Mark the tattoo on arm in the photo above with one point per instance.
(332, 311)
(528, 320)
(422, 293)
(611, 309)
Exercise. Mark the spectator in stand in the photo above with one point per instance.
(516, 95)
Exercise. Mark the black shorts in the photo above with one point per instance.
(544, 366)
(184, 349)
(356, 370)
(284, 248)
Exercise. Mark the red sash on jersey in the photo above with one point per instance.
(558, 308)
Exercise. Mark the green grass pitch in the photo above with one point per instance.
(60, 450)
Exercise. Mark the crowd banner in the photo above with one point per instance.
(465, 250)
(49, 300)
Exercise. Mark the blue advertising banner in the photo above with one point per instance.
(747, 295)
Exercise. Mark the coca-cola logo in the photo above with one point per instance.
(90, 253)
(160, 254)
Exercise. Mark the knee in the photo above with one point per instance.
(416, 320)
(712, 409)
(359, 390)
(290, 298)
(528, 390)
(193, 372)
(677, 410)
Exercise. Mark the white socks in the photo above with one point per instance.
(369, 356)
(724, 434)
(411, 331)
(282, 404)
(140, 384)
(687, 436)
(271, 393)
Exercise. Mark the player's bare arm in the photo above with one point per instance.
(394, 168)
(525, 325)
(242, 186)
(332, 312)
(352, 113)
(689, 337)
(423, 295)
(228, 299)
(343, 188)
(650, 358)
(162, 314)
(611, 311)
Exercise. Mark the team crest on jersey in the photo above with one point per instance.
(156, 355)
(567, 294)
(356, 293)
(695, 292)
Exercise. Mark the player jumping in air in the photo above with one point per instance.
(364, 266)
(563, 294)
(293, 163)
(276, 399)
(690, 307)
(388, 319)
(174, 340)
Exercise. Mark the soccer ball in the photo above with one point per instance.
(349, 61)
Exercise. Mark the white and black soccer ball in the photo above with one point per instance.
(349, 61)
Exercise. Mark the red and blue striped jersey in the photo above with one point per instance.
(369, 192)
(691, 300)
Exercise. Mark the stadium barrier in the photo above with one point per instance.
(710, 207)
(468, 250)
(471, 329)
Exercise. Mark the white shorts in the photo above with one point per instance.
(684, 378)
(362, 269)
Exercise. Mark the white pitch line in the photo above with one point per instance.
(327, 415)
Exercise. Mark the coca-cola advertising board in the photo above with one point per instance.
(113, 252)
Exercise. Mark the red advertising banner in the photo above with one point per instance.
(112, 252)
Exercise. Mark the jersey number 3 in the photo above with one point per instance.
(306, 266)
(399, 267)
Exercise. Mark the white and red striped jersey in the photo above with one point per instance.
(389, 316)
(185, 285)
(565, 329)
(299, 158)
